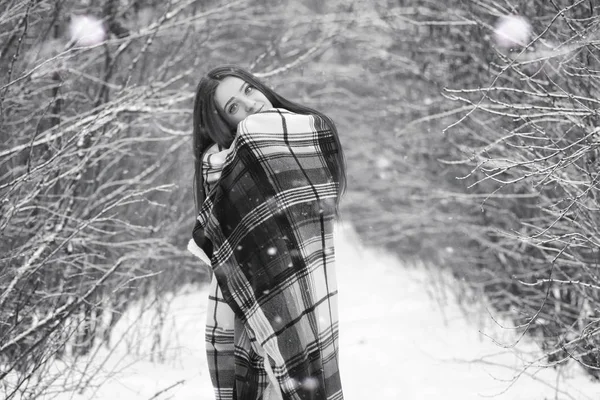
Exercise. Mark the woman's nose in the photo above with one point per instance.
(248, 104)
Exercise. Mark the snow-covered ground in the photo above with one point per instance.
(401, 338)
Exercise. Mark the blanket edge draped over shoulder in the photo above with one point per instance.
(268, 225)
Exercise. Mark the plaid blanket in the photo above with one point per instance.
(212, 164)
(268, 224)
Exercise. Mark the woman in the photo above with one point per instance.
(269, 174)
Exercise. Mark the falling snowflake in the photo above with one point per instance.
(310, 383)
(512, 31)
(272, 251)
(383, 163)
(86, 30)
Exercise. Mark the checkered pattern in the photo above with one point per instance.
(269, 221)
(212, 164)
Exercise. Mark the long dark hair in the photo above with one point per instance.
(210, 126)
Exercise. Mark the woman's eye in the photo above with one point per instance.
(248, 89)
(232, 108)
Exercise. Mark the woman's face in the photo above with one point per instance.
(237, 99)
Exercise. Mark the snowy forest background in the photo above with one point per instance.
(477, 156)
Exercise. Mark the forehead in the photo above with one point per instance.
(228, 87)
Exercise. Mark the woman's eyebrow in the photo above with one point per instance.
(228, 101)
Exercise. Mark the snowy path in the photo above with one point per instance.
(396, 343)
